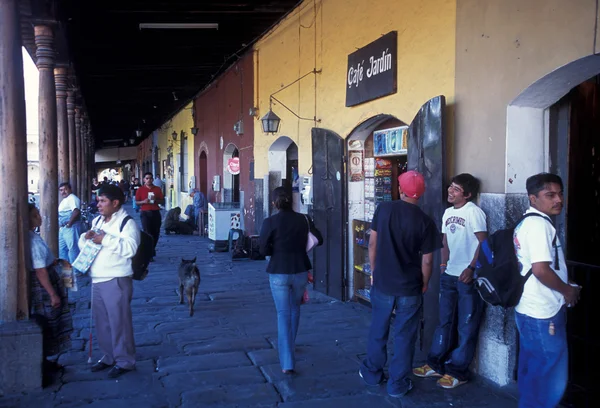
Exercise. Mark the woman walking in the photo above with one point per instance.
(284, 237)
(49, 303)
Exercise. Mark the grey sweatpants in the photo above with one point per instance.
(111, 308)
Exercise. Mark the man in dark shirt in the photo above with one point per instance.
(406, 238)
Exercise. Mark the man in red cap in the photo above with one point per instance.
(407, 238)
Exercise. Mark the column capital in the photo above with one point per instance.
(44, 42)
(61, 80)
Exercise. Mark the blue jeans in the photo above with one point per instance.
(68, 238)
(287, 293)
(461, 308)
(543, 360)
(405, 329)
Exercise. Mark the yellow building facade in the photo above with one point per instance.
(319, 35)
(178, 181)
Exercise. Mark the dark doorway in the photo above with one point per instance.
(329, 212)
(574, 152)
(202, 173)
(235, 181)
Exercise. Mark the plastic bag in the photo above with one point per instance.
(86, 257)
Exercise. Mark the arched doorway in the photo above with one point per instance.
(203, 173)
(231, 182)
(554, 125)
(283, 168)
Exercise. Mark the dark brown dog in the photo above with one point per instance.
(189, 280)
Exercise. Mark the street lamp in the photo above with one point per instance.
(174, 135)
(194, 131)
(270, 122)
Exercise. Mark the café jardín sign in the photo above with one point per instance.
(372, 70)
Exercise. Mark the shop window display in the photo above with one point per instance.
(374, 167)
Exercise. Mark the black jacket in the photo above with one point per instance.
(283, 236)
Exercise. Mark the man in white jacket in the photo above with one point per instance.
(112, 286)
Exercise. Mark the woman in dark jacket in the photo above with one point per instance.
(283, 237)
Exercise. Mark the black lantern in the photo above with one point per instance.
(138, 133)
(194, 131)
(174, 135)
(270, 122)
(132, 141)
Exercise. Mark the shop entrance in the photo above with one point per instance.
(379, 150)
(203, 173)
(283, 168)
(563, 135)
(231, 182)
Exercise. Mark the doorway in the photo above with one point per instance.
(553, 126)
(283, 168)
(231, 182)
(574, 147)
(203, 173)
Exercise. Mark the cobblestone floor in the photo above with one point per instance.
(225, 355)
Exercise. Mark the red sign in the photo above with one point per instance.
(233, 165)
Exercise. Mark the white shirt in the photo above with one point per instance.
(114, 259)
(158, 182)
(460, 225)
(533, 244)
(66, 207)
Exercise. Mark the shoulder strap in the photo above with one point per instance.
(307, 221)
(97, 221)
(556, 265)
(127, 218)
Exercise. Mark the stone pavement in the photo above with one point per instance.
(225, 355)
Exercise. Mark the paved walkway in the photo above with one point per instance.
(225, 356)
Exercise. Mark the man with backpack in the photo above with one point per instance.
(112, 288)
(401, 245)
(463, 228)
(541, 314)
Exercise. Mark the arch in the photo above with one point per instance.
(527, 120)
(231, 183)
(281, 144)
(363, 130)
(283, 167)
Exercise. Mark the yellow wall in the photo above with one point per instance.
(502, 48)
(321, 34)
(183, 120)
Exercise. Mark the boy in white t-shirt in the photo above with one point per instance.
(541, 314)
(464, 228)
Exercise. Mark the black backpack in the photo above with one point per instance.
(498, 279)
(144, 253)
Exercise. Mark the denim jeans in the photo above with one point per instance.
(543, 360)
(405, 329)
(68, 242)
(461, 308)
(287, 290)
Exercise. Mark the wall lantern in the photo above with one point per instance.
(194, 131)
(132, 141)
(270, 122)
(174, 135)
(138, 133)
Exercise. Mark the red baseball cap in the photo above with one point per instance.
(412, 183)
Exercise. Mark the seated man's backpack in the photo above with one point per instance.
(498, 277)
(143, 255)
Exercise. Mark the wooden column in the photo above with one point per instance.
(62, 121)
(44, 41)
(84, 166)
(72, 146)
(14, 214)
(76, 185)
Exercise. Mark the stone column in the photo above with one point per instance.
(62, 121)
(84, 166)
(76, 186)
(20, 340)
(44, 41)
(72, 146)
